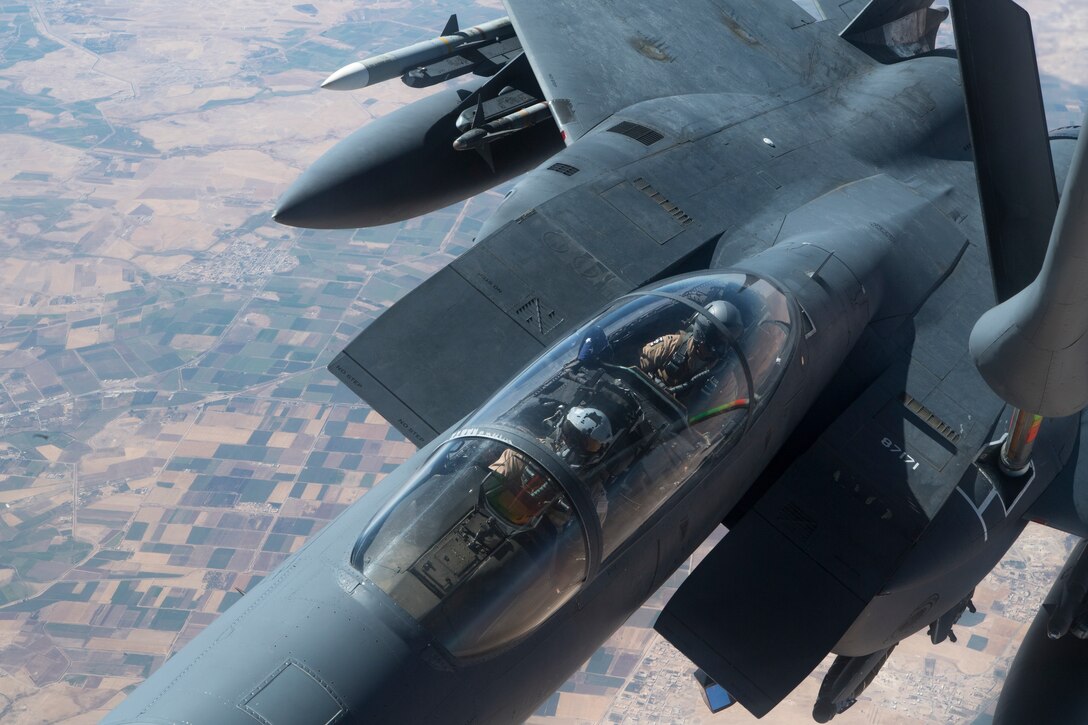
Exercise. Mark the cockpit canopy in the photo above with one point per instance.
(678, 372)
(481, 548)
(491, 535)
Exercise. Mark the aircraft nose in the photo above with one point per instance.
(300, 661)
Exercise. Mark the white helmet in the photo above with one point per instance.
(586, 433)
(725, 313)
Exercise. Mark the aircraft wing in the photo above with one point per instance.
(440, 351)
(593, 59)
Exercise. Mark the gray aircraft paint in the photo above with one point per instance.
(866, 483)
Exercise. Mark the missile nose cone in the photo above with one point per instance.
(470, 139)
(349, 78)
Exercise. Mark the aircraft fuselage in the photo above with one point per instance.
(834, 198)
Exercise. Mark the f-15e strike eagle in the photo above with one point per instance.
(763, 270)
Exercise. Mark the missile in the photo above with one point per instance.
(398, 62)
(493, 130)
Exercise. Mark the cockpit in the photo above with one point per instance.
(508, 519)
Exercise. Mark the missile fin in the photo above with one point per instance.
(478, 117)
(451, 26)
(484, 150)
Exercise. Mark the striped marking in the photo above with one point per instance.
(1036, 421)
(979, 510)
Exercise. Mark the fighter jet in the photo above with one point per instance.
(809, 278)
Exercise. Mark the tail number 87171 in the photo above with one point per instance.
(898, 451)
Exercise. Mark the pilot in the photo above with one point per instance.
(682, 360)
(524, 490)
(584, 435)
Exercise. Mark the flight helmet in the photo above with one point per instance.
(706, 332)
(585, 434)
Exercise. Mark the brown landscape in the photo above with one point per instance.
(168, 431)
